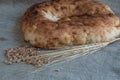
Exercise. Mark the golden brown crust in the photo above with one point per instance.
(56, 23)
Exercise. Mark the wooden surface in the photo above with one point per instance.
(102, 65)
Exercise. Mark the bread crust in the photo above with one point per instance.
(57, 23)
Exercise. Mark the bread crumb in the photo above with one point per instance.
(57, 70)
(2, 39)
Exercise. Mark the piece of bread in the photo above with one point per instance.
(56, 23)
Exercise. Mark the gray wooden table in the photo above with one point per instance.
(101, 65)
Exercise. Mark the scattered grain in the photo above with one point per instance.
(25, 54)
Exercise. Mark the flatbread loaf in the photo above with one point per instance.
(57, 23)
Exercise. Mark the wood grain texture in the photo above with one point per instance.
(102, 65)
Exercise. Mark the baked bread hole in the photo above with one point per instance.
(50, 16)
